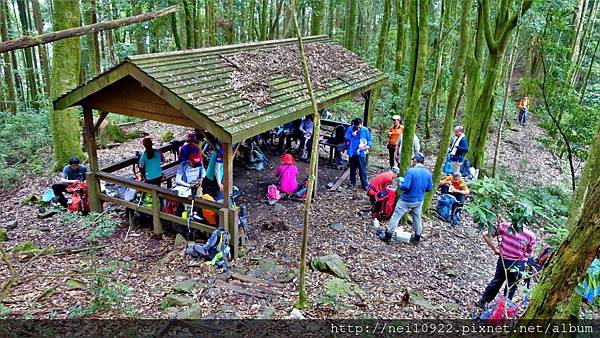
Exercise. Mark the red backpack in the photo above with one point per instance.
(79, 197)
(385, 201)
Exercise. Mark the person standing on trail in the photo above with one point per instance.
(523, 109)
(381, 182)
(359, 142)
(417, 181)
(394, 139)
(416, 147)
(72, 173)
(515, 248)
(458, 148)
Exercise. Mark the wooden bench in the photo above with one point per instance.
(328, 127)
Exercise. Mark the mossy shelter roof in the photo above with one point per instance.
(192, 88)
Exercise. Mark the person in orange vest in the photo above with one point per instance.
(394, 137)
(523, 108)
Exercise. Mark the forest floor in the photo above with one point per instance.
(443, 276)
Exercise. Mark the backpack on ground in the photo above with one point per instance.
(172, 207)
(384, 204)
(448, 166)
(273, 193)
(445, 206)
(465, 169)
(302, 190)
(216, 249)
(79, 197)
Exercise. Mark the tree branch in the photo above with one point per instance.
(485, 15)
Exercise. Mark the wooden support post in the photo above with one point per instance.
(367, 111)
(227, 174)
(234, 231)
(158, 228)
(90, 144)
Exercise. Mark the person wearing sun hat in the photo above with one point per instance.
(190, 172)
(287, 173)
(394, 137)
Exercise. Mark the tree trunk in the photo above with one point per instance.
(189, 25)
(401, 11)
(30, 69)
(11, 104)
(230, 31)
(65, 76)
(569, 264)
(588, 179)
(249, 22)
(39, 23)
(458, 70)
(175, 31)
(589, 72)
(139, 33)
(419, 33)
(264, 12)
(211, 24)
(383, 34)
(316, 20)
(438, 68)
(578, 25)
(312, 173)
(29, 41)
(351, 25)
(331, 18)
(583, 43)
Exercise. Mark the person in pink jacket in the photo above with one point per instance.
(287, 173)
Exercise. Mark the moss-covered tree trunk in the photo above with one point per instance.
(230, 34)
(453, 97)
(419, 11)
(589, 178)
(383, 34)
(316, 20)
(30, 70)
(210, 18)
(401, 15)
(189, 24)
(39, 23)
(569, 264)
(139, 32)
(331, 18)
(496, 41)
(65, 75)
(351, 25)
(11, 104)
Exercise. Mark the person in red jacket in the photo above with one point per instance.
(380, 182)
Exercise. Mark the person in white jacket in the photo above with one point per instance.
(189, 175)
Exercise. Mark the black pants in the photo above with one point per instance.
(513, 272)
(59, 190)
(359, 163)
(155, 181)
(392, 153)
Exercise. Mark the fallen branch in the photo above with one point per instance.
(30, 41)
(239, 289)
(341, 180)
(250, 279)
(34, 312)
(72, 250)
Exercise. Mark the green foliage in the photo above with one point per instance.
(106, 298)
(101, 225)
(167, 137)
(25, 135)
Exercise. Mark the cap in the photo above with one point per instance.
(395, 170)
(287, 159)
(419, 157)
(195, 158)
(396, 117)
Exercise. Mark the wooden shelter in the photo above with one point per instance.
(190, 88)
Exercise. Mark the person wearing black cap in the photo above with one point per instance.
(72, 173)
(417, 182)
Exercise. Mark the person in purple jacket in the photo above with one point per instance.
(417, 182)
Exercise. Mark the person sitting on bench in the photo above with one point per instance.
(190, 147)
(339, 141)
(190, 174)
(150, 163)
(72, 173)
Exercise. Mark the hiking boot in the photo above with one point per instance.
(415, 239)
(386, 237)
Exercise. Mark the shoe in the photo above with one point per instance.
(386, 237)
(415, 239)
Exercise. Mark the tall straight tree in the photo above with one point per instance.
(11, 104)
(350, 24)
(331, 18)
(316, 19)
(230, 31)
(39, 25)
(264, 19)
(453, 96)
(401, 15)
(249, 22)
(383, 34)
(190, 41)
(65, 76)
(478, 123)
(211, 24)
(30, 68)
(418, 15)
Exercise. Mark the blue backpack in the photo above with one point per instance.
(218, 242)
(465, 171)
(445, 206)
(448, 166)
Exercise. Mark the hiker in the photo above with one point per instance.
(455, 186)
(212, 183)
(417, 182)
(189, 147)
(381, 182)
(394, 139)
(150, 163)
(458, 148)
(523, 109)
(72, 173)
(287, 173)
(416, 148)
(306, 128)
(359, 142)
(515, 248)
(190, 172)
(339, 141)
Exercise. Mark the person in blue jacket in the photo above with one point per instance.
(417, 182)
(359, 142)
(458, 148)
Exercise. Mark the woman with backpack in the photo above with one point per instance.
(150, 163)
(287, 173)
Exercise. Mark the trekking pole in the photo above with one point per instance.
(194, 191)
(135, 213)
